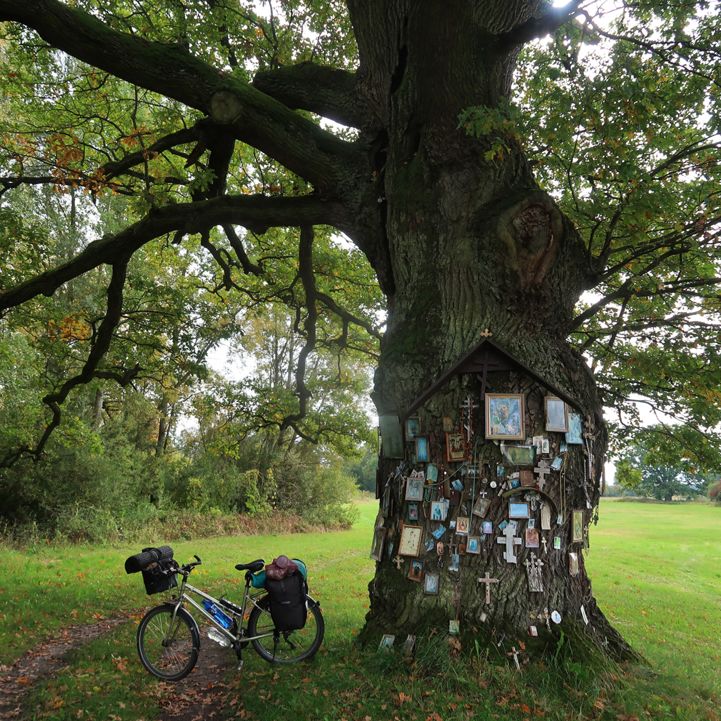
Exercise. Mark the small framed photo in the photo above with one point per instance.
(577, 527)
(379, 537)
(454, 627)
(439, 510)
(574, 435)
(556, 415)
(414, 488)
(387, 642)
(411, 541)
(487, 527)
(462, 525)
(413, 428)
(519, 455)
(505, 416)
(431, 472)
(415, 572)
(431, 583)
(422, 451)
(473, 544)
(518, 510)
(455, 565)
(533, 538)
(412, 512)
(455, 447)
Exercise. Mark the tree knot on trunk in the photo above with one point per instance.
(532, 230)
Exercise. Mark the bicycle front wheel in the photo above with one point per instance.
(168, 642)
(285, 646)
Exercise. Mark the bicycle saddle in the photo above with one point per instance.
(252, 566)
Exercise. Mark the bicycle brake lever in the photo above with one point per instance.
(197, 558)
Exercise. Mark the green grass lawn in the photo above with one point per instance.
(655, 570)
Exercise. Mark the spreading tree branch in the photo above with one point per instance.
(254, 117)
(100, 346)
(253, 211)
(538, 27)
(320, 89)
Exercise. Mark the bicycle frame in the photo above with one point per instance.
(183, 597)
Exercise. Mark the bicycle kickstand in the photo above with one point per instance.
(239, 654)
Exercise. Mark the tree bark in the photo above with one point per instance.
(472, 245)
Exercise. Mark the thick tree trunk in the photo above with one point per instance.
(473, 245)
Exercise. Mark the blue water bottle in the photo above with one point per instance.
(223, 619)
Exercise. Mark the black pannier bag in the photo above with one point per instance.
(151, 563)
(287, 601)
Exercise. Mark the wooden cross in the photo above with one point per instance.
(509, 540)
(398, 561)
(487, 580)
(542, 469)
(467, 407)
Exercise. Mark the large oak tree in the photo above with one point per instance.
(480, 205)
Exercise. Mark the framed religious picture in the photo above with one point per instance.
(422, 452)
(431, 472)
(577, 527)
(556, 415)
(431, 583)
(413, 428)
(487, 527)
(412, 512)
(414, 487)
(505, 414)
(574, 435)
(439, 510)
(462, 525)
(415, 572)
(409, 646)
(533, 538)
(518, 510)
(455, 447)
(473, 544)
(411, 540)
(379, 537)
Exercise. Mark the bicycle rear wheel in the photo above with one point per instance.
(286, 646)
(168, 644)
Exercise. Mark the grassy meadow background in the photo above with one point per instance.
(655, 569)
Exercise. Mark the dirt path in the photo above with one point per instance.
(44, 660)
(195, 698)
(200, 695)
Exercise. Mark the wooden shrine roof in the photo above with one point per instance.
(487, 356)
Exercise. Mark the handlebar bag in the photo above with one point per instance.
(153, 563)
(287, 601)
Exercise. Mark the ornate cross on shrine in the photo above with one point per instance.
(533, 571)
(468, 407)
(509, 540)
(542, 470)
(398, 561)
(487, 580)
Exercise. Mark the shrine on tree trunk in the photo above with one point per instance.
(496, 489)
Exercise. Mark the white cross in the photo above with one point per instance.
(514, 653)
(398, 561)
(542, 469)
(545, 545)
(510, 541)
(533, 569)
(488, 581)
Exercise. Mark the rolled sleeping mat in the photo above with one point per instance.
(140, 561)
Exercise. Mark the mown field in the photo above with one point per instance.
(656, 573)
